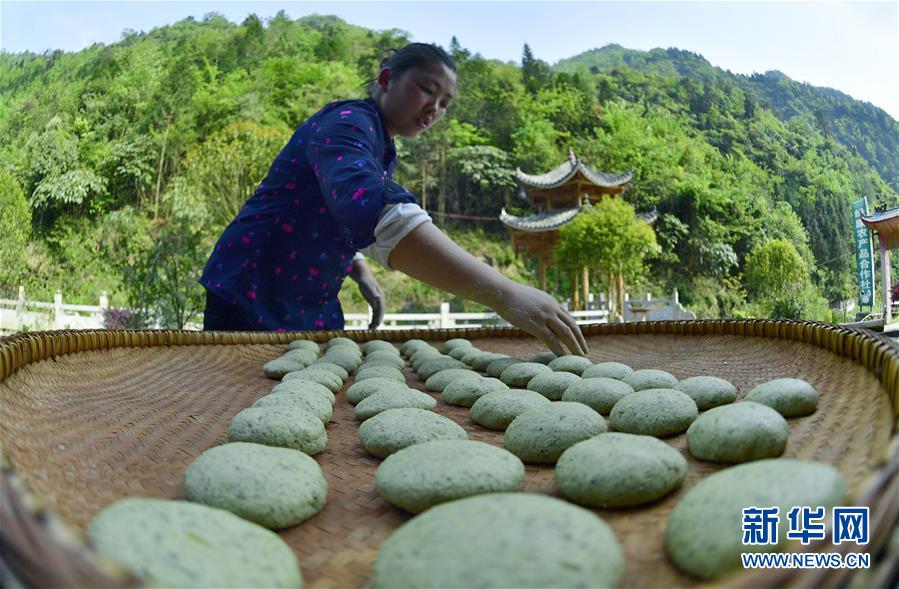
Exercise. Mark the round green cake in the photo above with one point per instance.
(501, 540)
(181, 544)
(423, 475)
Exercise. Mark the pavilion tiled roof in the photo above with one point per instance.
(545, 221)
(886, 224)
(567, 170)
(552, 220)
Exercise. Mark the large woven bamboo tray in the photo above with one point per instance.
(90, 417)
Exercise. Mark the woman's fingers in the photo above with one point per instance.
(549, 339)
(575, 328)
(565, 335)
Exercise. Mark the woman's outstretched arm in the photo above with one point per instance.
(427, 254)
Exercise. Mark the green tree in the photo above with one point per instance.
(15, 227)
(222, 173)
(609, 239)
(776, 276)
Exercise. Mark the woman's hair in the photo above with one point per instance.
(411, 56)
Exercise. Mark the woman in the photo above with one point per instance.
(329, 194)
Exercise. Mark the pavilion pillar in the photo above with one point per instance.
(541, 269)
(575, 293)
(885, 279)
(586, 286)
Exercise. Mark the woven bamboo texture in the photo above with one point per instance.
(87, 418)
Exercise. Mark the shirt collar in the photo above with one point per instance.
(387, 138)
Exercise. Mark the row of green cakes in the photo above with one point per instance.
(396, 416)
(263, 477)
(552, 412)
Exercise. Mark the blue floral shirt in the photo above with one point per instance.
(283, 259)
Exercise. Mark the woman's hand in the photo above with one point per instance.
(430, 256)
(539, 314)
(371, 291)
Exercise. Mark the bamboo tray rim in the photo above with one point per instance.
(40, 538)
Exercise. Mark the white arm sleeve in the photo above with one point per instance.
(396, 222)
(359, 257)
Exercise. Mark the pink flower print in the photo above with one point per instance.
(253, 265)
(218, 284)
(244, 240)
(280, 330)
(324, 285)
(209, 282)
(293, 161)
(288, 228)
(321, 210)
(290, 186)
(370, 128)
(293, 255)
(339, 158)
(229, 244)
(346, 112)
(359, 192)
(296, 201)
(251, 294)
(245, 264)
(295, 277)
(313, 271)
(315, 169)
(319, 324)
(277, 270)
(342, 258)
(348, 268)
(334, 193)
(327, 141)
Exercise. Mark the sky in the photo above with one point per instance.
(850, 46)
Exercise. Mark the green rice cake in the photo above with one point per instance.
(704, 533)
(395, 429)
(540, 435)
(181, 544)
(423, 475)
(739, 432)
(286, 426)
(273, 487)
(619, 470)
(501, 540)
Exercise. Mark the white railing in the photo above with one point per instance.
(23, 315)
(445, 319)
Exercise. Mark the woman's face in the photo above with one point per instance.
(417, 99)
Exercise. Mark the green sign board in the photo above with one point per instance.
(864, 254)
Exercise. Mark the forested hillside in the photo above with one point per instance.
(121, 164)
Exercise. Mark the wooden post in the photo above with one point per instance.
(575, 293)
(621, 292)
(586, 286)
(613, 297)
(20, 309)
(885, 280)
(541, 270)
(445, 319)
(57, 311)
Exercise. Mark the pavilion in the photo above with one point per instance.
(559, 196)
